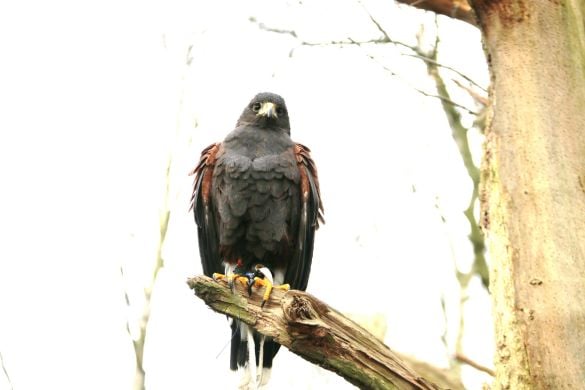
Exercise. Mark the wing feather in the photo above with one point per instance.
(311, 213)
(205, 213)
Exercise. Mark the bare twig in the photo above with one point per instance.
(5, 371)
(383, 30)
(316, 332)
(138, 343)
(264, 27)
(447, 100)
(346, 42)
(385, 37)
(459, 134)
(478, 98)
(437, 96)
(164, 218)
(438, 64)
(465, 360)
(293, 33)
(430, 58)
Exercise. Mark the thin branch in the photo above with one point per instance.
(459, 134)
(164, 218)
(478, 98)
(419, 54)
(5, 371)
(316, 332)
(385, 39)
(383, 30)
(387, 69)
(264, 27)
(139, 343)
(447, 100)
(438, 64)
(465, 360)
(456, 9)
(347, 42)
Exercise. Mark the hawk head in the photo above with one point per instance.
(266, 110)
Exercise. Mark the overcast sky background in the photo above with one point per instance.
(95, 97)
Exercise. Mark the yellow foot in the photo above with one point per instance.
(217, 276)
(261, 280)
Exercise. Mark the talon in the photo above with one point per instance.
(243, 279)
(267, 292)
(267, 284)
(230, 281)
(270, 287)
(250, 280)
(251, 283)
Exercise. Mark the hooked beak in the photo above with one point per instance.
(268, 110)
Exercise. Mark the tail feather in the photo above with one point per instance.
(249, 345)
(270, 350)
(239, 348)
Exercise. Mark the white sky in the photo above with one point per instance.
(95, 95)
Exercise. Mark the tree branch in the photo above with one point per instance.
(419, 54)
(264, 27)
(5, 372)
(459, 134)
(316, 332)
(139, 340)
(383, 30)
(465, 360)
(438, 64)
(456, 9)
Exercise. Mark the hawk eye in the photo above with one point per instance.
(279, 110)
(256, 107)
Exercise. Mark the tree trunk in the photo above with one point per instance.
(533, 197)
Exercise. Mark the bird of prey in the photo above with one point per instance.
(257, 205)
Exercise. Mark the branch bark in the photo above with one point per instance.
(316, 332)
(456, 9)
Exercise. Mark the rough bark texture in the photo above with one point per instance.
(533, 200)
(316, 332)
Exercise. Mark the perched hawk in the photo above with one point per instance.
(257, 205)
